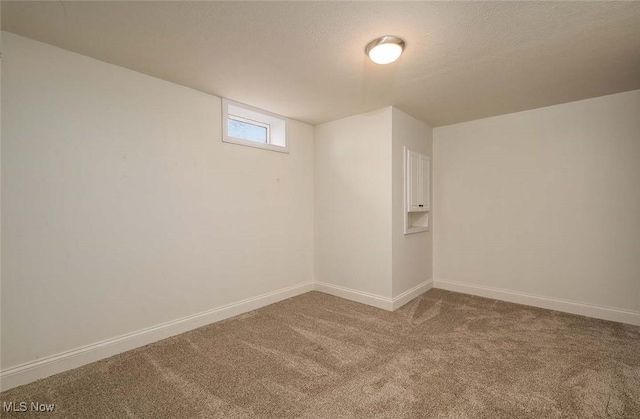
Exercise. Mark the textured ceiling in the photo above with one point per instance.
(305, 60)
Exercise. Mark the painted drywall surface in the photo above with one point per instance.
(122, 208)
(353, 202)
(544, 202)
(412, 253)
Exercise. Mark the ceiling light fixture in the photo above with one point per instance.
(385, 49)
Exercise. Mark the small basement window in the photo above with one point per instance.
(252, 127)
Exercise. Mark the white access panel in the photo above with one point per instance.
(417, 192)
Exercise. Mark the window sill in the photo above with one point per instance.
(248, 143)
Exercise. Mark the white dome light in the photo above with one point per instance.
(385, 50)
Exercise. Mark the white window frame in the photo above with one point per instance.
(275, 125)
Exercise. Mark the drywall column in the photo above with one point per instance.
(546, 203)
(361, 250)
(353, 204)
(412, 253)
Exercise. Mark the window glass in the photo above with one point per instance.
(248, 131)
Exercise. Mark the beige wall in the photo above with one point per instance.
(353, 203)
(545, 202)
(360, 241)
(412, 253)
(122, 209)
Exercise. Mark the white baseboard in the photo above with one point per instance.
(385, 303)
(44, 367)
(409, 295)
(573, 307)
(355, 295)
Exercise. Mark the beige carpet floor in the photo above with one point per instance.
(443, 355)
